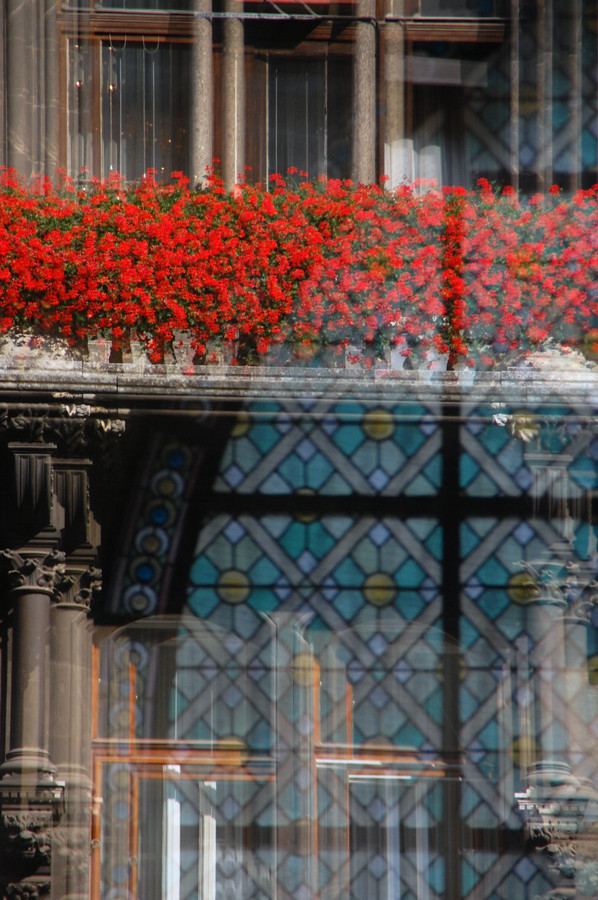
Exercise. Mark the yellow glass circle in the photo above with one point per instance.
(241, 426)
(233, 586)
(166, 486)
(305, 517)
(232, 751)
(378, 424)
(379, 589)
(522, 588)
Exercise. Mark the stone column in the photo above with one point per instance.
(202, 93)
(233, 96)
(364, 95)
(19, 85)
(514, 94)
(396, 152)
(71, 678)
(50, 100)
(30, 794)
(44, 847)
(70, 741)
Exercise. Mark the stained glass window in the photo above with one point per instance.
(382, 678)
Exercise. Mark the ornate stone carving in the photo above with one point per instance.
(47, 572)
(25, 853)
(90, 585)
(70, 426)
(50, 572)
(25, 839)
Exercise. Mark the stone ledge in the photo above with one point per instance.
(50, 369)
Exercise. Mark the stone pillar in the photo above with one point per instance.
(71, 679)
(202, 93)
(31, 86)
(30, 794)
(70, 743)
(50, 100)
(233, 96)
(364, 95)
(514, 92)
(19, 85)
(394, 94)
(44, 846)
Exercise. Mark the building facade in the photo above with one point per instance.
(451, 91)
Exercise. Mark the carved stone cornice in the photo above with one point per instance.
(74, 428)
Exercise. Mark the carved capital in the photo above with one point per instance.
(47, 572)
(50, 574)
(80, 589)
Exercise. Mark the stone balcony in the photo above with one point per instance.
(47, 369)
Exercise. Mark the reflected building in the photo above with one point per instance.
(451, 90)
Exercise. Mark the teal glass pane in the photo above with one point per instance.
(344, 449)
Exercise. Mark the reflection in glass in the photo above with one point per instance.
(312, 725)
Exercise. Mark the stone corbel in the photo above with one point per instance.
(32, 471)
